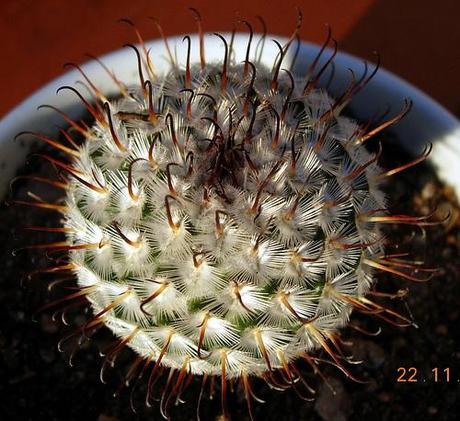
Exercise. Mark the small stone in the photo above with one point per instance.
(104, 417)
(441, 330)
(20, 316)
(372, 355)
(447, 253)
(48, 355)
(453, 315)
(332, 406)
(48, 325)
(432, 410)
(384, 397)
(428, 190)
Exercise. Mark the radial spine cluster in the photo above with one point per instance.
(223, 218)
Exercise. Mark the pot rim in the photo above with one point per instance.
(428, 121)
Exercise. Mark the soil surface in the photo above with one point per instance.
(37, 383)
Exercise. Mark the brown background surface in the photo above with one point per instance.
(417, 39)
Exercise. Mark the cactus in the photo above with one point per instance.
(225, 219)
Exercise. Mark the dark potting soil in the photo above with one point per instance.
(411, 373)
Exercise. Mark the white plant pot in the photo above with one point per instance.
(427, 122)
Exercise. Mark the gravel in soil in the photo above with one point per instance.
(37, 383)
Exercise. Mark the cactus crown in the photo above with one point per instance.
(224, 219)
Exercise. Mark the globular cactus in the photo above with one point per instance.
(224, 219)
